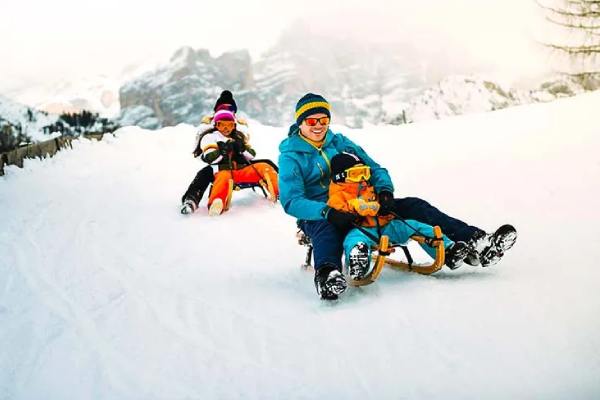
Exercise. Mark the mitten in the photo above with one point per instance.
(386, 202)
(238, 148)
(364, 208)
(224, 148)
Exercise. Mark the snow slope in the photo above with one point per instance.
(106, 292)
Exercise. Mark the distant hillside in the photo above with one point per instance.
(20, 124)
(457, 95)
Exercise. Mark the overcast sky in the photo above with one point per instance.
(51, 40)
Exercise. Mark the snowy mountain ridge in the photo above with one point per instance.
(267, 90)
(459, 95)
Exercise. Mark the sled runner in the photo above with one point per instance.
(381, 256)
(265, 185)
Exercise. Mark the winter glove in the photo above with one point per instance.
(386, 202)
(224, 148)
(341, 220)
(238, 148)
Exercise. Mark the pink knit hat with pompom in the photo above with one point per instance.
(223, 115)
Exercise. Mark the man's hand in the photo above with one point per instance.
(387, 203)
(340, 219)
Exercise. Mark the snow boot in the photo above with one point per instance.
(487, 249)
(330, 282)
(188, 206)
(216, 208)
(456, 254)
(502, 240)
(358, 261)
(477, 243)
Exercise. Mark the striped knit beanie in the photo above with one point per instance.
(310, 104)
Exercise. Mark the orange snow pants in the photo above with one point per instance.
(260, 173)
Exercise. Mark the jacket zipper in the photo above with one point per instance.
(324, 156)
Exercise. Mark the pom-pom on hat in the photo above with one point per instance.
(223, 115)
(311, 104)
(226, 97)
(340, 163)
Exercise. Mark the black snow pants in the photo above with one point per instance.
(422, 211)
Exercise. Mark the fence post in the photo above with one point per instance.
(2, 161)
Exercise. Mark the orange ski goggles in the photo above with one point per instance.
(313, 121)
(225, 125)
(358, 173)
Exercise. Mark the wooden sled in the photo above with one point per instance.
(266, 187)
(384, 250)
(381, 256)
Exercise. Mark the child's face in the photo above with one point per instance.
(225, 127)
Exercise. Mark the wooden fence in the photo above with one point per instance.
(44, 149)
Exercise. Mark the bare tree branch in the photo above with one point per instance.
(575, 50)
(569, 13)
(572, 25)
(586, 2)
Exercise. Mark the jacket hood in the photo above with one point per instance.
(294, 129)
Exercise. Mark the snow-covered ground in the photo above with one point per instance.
(107, 292)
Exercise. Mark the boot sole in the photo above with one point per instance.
(216, 208)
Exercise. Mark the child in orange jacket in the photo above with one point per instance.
(350, 191)
(230, 154)
(205, 177)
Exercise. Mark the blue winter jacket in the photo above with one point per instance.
(304, 173)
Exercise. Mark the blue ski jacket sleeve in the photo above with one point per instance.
(305, 172)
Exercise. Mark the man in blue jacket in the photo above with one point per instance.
(304, 176)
